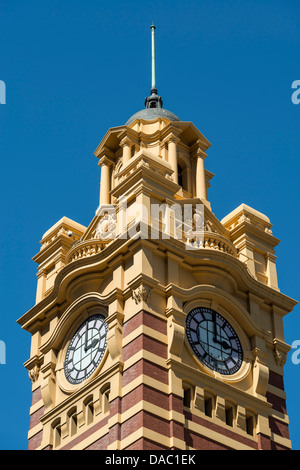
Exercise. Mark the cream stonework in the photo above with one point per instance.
(150, 391)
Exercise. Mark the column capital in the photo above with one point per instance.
(105, 160)
(197, 150)
(106, 156)
(171, 137)
(41, 272)
(270, 256)
(201, 153)
(126, 140)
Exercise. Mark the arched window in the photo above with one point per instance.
(106, 400)
(89, 410)
(72, 417)
(105, 391)
(180, 175)
(188, 394)
(250, 423)
(184, 173)
(56, 433)
(208, 404)
(187, 397)
(230, 413)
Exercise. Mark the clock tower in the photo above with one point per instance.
(158, 326)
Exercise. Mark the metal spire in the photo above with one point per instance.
(153, 101)
(153, 87)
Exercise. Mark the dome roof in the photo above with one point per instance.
(148, 114)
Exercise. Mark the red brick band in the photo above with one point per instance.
(145, 367)
(220, 430)
(276, 380)
(278, 427)
(35, 441)
(148, 344)
(278, 403)
(86, 434)
(145, 318)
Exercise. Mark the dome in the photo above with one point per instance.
(152, 113)
(153, 104)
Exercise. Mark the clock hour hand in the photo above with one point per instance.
(222, 343)
(91, 345)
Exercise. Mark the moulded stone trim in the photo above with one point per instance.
(74, 313)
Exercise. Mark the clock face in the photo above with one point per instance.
(214, 341)
(86, 349)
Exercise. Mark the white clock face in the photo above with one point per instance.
(214, 341)
(86, 349)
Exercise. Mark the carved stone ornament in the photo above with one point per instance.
(244, 218)
(279, 356)
(106, 228)
(34, 373)
(209, 227)
(142, 293)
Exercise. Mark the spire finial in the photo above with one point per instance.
(153, 101)
(153, 83)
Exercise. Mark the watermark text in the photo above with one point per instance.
(183, 222)
(296, 353)
(2, 92)
(2, 352)
(296, 94)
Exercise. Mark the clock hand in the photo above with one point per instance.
(223, 344)
(86, 338)
(215, 326)
(92, 345)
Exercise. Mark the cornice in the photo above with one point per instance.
(246, 227)
(200, 257)
(61, 242)
(111, 135)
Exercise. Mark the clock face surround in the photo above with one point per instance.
(214, 341)
(86, 349)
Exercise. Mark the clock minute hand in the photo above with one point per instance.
(223, 344)
(86, 338)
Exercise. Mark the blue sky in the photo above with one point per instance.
(74, 69)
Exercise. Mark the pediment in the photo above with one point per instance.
(102, 226)
(213, 225)
(90, 232)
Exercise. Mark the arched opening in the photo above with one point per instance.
(56, 433)
(180, 175)
(105, 391)
(89, 410)
(188, 394)
(72, 415)
(184, 173)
